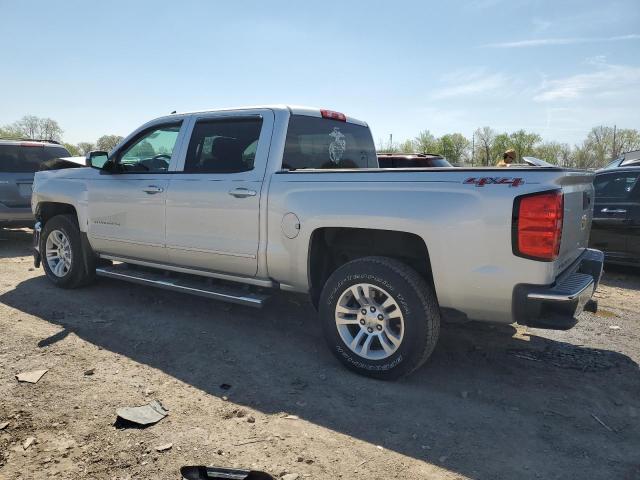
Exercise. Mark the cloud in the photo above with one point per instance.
(608, 81)
(467, 83)
(542, 42)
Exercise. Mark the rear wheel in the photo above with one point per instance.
(63, 259)
(380, 317)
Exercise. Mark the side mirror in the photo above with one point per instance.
(96, 159)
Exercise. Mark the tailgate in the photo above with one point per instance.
(578, 213)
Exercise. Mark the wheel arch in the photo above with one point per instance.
(47, 210)
(331, 247)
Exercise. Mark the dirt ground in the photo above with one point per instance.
(492, 403)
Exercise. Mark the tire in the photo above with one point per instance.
(79, 267)
(403, 331)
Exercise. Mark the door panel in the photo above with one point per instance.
(127, 201)
(615, 208)
(213, 207)
(208, 228)
(127, 215)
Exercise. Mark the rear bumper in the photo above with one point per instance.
(556, 306)
(19, 216)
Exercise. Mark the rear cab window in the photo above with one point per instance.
(28, 158)
(323, 143)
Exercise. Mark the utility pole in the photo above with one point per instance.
(391, 141)
(473, 146)
(614, 155)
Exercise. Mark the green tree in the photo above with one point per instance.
(8, 133)
(425, 142)
(107, 142)
(454, 147)
(501, 143)
(85, 147)
(553, 152)
(523, 142)
(408, 146)
(73, 149)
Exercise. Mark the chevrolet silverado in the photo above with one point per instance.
(236, 204)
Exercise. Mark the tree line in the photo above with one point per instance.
(486, 147)
(31, 127)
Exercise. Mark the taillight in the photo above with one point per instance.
(333, 115)
(537, 225)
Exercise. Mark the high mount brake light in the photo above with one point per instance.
(333, 115)
(537, 225)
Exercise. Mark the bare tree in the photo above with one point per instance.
(36, 128)
(627, 140)
(28, 126)
(50, 130)
(485, 137)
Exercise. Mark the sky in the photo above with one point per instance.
(554, 67)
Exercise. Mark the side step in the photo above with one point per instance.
(184, 283)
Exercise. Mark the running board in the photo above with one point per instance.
(186, 284)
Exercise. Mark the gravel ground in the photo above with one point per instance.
(492, 403)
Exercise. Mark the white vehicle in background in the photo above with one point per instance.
(239, 203)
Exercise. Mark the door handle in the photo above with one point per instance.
(153, 189)
(615, 210)
(242, 193)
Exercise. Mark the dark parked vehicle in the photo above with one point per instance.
(627, 159)
(616, 214)
(411, 160)
(19, 160)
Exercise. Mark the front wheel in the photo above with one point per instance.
(63, 259)
(380, 317)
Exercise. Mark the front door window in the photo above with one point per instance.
(151, 151)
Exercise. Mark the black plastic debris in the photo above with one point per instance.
(219, 473)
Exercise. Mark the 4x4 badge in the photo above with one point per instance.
(482, 181)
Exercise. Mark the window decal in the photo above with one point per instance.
(337, 146)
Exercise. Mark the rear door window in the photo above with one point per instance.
(28, 158)
(314, 142)
(223, 145)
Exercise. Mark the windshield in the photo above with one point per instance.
(314, 142)
(16, 158)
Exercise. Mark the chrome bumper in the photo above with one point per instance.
(556, 306)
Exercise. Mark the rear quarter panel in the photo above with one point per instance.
(466, 228)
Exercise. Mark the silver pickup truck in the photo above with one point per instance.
(236, 204)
